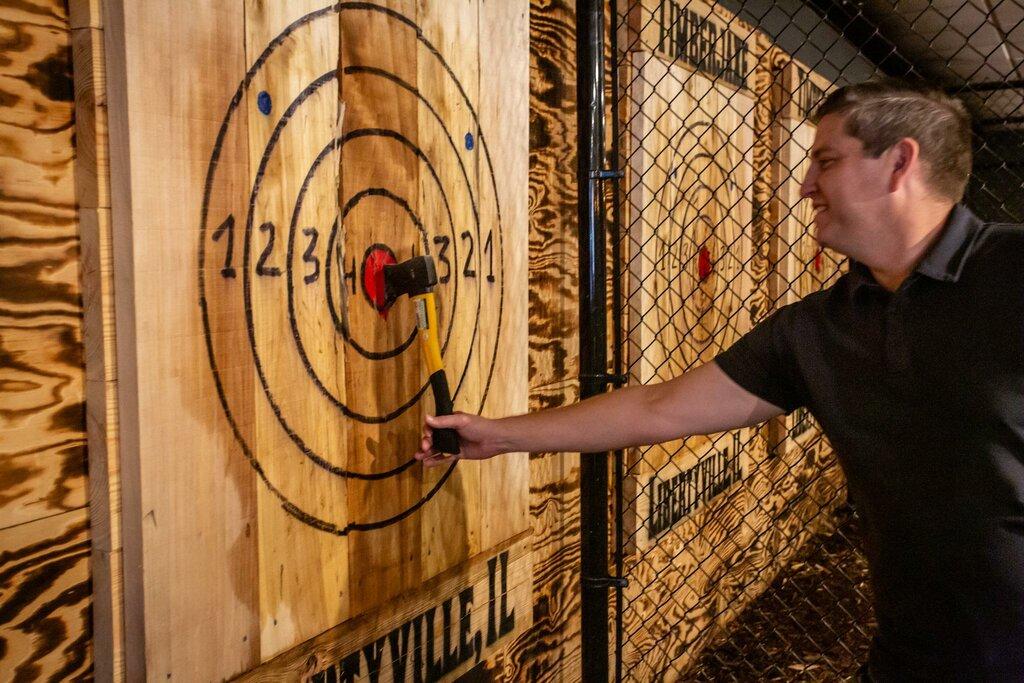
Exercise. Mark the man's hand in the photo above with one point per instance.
(479, 438)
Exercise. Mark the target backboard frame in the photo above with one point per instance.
(803, 266)
(690, 282)
(269, 403)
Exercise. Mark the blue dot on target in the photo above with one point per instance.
(469, 141)
(263, 102)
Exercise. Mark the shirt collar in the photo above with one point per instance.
(944, 260)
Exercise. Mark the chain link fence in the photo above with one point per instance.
(740, 550)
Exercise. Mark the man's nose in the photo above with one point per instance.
(809, 185)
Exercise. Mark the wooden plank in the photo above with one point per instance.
(101, 428)
(92, 192)
(92, 169)
(454, 208)
(85, 14)
(554, 316)
(296, 601)
(188, 514)
(434, 633)
(805, 267)
(768, 78)
(45, 599)
(45, 630)
(504, 129)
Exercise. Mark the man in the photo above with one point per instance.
(913, 363)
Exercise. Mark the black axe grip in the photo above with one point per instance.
(445, 440)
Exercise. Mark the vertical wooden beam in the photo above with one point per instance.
(92, 191)
(188, 503)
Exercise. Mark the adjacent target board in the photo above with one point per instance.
(275, 157)
(691, 174)
(803, 265)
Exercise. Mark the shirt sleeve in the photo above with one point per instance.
(763, 363)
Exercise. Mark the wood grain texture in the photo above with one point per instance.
(45, 604)
(45, 599)
(42, 436)
(85, 13)
(92, 169)
(554, 323)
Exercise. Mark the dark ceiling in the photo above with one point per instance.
(974, 48)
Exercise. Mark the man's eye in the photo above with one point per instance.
(825, 163)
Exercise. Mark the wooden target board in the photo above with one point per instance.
(803, 265)
(690, 164)
(274, 400)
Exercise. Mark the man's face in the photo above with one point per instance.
(849, 191)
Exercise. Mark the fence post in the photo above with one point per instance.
(593, 337)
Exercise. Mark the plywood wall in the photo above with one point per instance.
(45, 628)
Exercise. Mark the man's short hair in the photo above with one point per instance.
(880, 113)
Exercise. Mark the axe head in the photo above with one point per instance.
(412, 277)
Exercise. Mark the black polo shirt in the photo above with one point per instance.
(921, 392)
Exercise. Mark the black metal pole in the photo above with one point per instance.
(618, 463)
(593, 336)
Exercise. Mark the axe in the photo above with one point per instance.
(417, 278)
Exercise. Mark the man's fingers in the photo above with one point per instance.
(454, 421)
(426, 453)
(436, 459)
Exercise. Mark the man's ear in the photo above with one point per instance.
(903, 157)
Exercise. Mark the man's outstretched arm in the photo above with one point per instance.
(702, 401)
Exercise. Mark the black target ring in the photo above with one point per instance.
(681, 250)
(295, 437)
(205, 305)
(340, 323)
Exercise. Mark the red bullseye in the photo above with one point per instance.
(376, 258)
(704, 265)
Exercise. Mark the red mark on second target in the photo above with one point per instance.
(818, 260)
(376, 258)
(704, 265)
